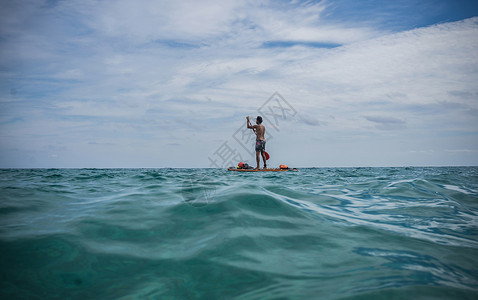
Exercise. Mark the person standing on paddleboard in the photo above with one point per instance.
(260, 131)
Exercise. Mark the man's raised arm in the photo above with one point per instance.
(249, 125)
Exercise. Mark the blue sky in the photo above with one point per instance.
(169, 83)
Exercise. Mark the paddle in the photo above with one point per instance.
(267, 155)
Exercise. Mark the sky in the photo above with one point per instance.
(152, 84)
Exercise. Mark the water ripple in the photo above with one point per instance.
(207, 233)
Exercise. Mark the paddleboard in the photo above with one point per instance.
(260, 170)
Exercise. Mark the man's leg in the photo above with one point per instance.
(264, 159)
(258, 160)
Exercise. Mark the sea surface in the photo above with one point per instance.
(320, 233)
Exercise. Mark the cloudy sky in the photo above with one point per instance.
(168, 83)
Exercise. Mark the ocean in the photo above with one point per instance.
(320, 233)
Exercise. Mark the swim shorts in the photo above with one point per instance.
(260, 145)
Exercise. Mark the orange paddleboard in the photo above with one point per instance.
(260, 170)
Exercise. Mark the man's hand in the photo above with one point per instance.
(247, 118)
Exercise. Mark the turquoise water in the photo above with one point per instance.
(325, 233)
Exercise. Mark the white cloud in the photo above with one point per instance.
(148, 72)
(387, 123)
(143, 21)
